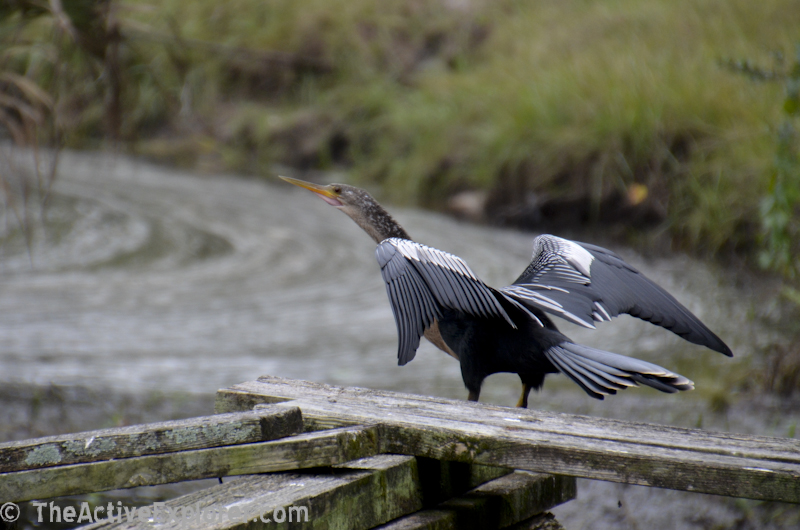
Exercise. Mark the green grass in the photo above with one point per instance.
(431, 97)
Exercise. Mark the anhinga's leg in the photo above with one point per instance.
(473, 396)
(523, 398)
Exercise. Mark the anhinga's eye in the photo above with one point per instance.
(337, 189)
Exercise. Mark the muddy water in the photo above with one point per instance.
(143, 278)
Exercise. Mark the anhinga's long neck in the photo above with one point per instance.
(376, 221)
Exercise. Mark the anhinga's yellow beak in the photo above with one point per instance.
(329, 193)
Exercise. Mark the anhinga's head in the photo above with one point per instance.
(359, 206)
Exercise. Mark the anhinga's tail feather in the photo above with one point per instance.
(601, 373)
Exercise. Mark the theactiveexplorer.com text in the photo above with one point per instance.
(160, 513)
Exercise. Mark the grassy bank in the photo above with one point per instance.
(623, 112)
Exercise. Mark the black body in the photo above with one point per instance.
(487, 346)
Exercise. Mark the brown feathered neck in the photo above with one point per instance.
(369, 215)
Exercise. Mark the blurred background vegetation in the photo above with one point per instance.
(672, 123)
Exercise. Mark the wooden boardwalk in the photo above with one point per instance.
(358, 458)
(755, 467)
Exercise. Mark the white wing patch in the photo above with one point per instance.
(564, 260)
(563, 257)
(557, 264)
(423, 254)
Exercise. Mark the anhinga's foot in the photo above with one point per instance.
(473, 396)
(523, 398)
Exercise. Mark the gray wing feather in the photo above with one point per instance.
(601, 373)
(422, 281)
(412, 303)
(585, 284)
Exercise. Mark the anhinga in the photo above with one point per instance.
(435, 294)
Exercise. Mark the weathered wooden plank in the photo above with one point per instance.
(431, 519)
(500, 503)
(629, 462)
(239, 398)
(151, 438)
(617, 462)
(543, 521)
(306, 450)
(281, 390)
(442, 480)
(359, 495)
(448, 520)
(741, 466)
(521, 495)
(540, 421)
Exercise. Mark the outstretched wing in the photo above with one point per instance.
(585, 283)
(422, 281)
